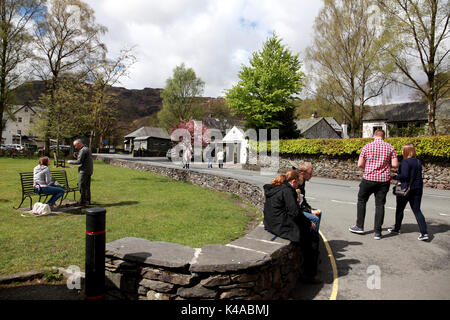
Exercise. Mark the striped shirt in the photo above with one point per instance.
(378, 156)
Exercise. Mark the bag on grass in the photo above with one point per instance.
(40, 209)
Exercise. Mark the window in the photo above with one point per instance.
(19, 119)
(26, 109)
(402, 125)
(375, 128)
(19, 131)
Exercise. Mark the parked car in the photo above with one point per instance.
(14, 146)
(2, 147)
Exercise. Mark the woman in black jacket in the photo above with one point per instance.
(410, 175)
(283, 218)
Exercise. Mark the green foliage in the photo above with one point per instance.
(53, 276)
(267, 87)
(179, 97)
(426, 147)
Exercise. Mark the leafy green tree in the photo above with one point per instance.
(15, 46)
(179, 97)
(264, 95)
(65, 111)
(421, 29)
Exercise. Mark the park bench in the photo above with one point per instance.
(26, 180)
(58, 161)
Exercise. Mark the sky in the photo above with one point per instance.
(213, 37)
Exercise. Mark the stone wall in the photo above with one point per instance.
(253, 267)
(435, 175)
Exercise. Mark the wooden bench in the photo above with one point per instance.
(26, 180)
(58, 161)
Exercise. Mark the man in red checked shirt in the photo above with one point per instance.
(376, 158)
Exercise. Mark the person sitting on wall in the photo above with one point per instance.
(283, 218)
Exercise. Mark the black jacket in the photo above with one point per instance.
(410, 171)
(282, 215)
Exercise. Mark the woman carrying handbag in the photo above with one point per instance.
(410, 176)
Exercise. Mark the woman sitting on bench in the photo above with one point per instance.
(44, 183)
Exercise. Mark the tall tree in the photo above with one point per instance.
(264, 95)
(65, 39)
(15, 39)
(422, 29)
(101, 76)
(179, 97)
(65, 111)
(346, 57)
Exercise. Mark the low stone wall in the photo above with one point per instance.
(253, 267)
(435, 175)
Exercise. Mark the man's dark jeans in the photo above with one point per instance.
(366, 189)
(84, 182)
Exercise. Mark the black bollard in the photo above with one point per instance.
(95, 253)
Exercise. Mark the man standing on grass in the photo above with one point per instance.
(376, 158)
(85, 170)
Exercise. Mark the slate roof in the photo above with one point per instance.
(149, 132)
(409, 111)
(304, 125)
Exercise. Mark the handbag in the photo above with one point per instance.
(399, 192)
(397, 189)
(41, 209)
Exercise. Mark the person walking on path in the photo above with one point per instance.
(85, 171)
(410, 175)
(210, 155)
(376, 158)
(220, 158)
(44, 183)
(187, 157)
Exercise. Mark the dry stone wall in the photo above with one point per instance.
(435, 175)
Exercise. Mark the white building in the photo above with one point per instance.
(235, 143)
(20, 129)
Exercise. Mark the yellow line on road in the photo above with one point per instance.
(334, 291)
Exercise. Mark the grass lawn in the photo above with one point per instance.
(138, 204)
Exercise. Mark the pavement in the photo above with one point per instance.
(354, 267)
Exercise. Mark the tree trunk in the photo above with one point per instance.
(432, 117)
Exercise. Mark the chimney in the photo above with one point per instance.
(314, 115)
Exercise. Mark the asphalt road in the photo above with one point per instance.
(395, 267)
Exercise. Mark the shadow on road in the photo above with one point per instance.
(317, 292)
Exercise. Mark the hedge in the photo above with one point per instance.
(426, 147)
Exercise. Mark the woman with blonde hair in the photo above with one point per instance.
(283, 218)
(410, 175)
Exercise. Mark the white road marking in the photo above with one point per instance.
(346, 202)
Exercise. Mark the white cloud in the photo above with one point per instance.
(214, 37)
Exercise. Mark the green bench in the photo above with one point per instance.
(26, 180)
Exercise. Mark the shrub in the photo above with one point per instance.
(426, 147)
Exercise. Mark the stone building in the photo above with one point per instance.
(402, 115)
